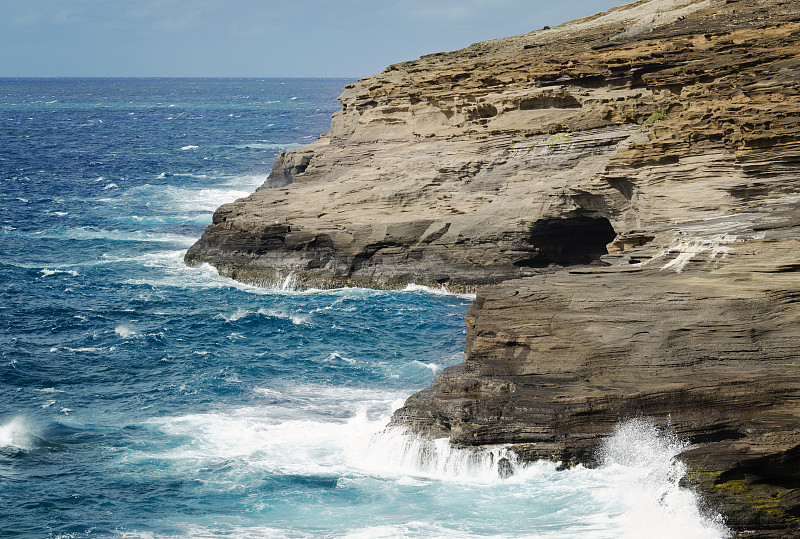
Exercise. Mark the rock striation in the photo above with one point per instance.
(553, 362)
(628, 186)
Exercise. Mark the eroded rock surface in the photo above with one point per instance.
(441, 170)
(705, 345)
(628, 183)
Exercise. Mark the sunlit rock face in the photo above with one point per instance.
(440, 170)
(632, 181)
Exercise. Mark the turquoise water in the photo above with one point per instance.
(143, 398)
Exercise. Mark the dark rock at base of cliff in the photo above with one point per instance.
(554, 362)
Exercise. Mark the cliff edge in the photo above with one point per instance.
(628, 183)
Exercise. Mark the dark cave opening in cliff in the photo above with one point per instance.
(568, 241)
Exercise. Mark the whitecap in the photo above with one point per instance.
(184, 201)
(201, 219)
(92, 233)
(268, 439)
(294, 432)
(264, 145)
(268, 393)
(17, 433)
(336, 356)
(441, 291)
(237, 315)
(296, 318)
(48, 272)
(124, 331)
(248, 182)
(190, 147)
(190, 175)
(110, 186)
(432, 366)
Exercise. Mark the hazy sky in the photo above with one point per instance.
(255, 38)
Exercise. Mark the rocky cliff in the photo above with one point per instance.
(628, 183)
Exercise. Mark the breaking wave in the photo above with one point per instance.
(18, 434)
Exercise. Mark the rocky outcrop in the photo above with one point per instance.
(628, 183)
(705, 345)
(443, 170)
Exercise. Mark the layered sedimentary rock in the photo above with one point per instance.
(628, 185)
(707, 346)
(445, 169)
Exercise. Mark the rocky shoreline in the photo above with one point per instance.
(623, 192)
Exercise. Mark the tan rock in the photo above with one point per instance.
(636, 174)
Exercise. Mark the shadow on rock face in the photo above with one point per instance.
(569, 240)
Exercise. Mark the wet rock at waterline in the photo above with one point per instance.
(504, 468)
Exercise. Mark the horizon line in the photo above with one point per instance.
(8, 77)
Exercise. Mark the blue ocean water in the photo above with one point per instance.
(143, 398)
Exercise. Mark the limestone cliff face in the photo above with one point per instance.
(454, 168)
(629, 182)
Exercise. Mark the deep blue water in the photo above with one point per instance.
(143, 398)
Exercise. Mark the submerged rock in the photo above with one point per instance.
(628, 183)
(504, 468)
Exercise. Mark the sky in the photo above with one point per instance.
(255, 38)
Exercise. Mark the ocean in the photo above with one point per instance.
(141, 398)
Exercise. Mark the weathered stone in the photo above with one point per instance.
(628, 183)
(553, 362)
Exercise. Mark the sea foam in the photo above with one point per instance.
(48, 272)
(395, 451)
(124, 332)
(635, 492)
(441, 291)
(94, 233)
(641, 473)
(17, 433)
